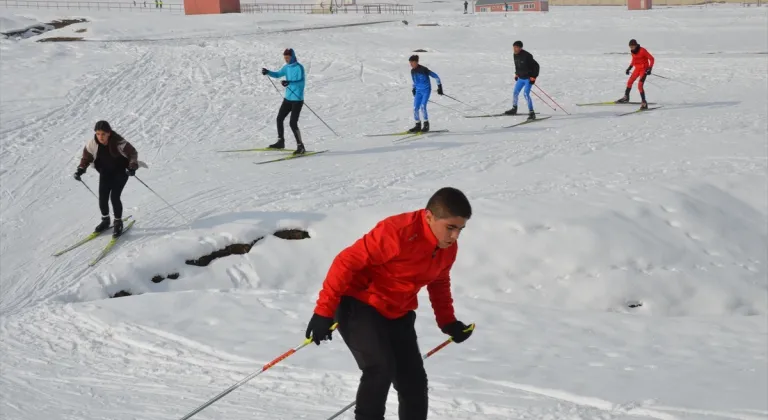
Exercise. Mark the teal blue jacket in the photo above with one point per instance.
(294, 74)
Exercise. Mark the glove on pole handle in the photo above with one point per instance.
(424, 357)
(275, 361)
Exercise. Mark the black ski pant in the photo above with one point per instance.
(387, 352)
(110, 187)
(293, 108)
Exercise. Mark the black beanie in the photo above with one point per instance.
(414, 58)
(518, 44)
(632, 42)
(102, 126)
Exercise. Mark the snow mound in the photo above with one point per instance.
(695, 251)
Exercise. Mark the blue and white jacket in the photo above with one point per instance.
(420, 76)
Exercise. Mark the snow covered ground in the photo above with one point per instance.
(575, 217)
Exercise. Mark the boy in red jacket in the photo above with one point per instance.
(371, 289)
(642, 61)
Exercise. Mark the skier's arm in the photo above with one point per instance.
(650, 59)
(376, 247)
(87, 158)
(277, 74)
(535, 69)
(435, 76)
(127, 150)
(441, 298)
(299, 78)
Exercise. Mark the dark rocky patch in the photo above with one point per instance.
(240, 249)
(61, 39)
(122, 293)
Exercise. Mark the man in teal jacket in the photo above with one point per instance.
(294, 99)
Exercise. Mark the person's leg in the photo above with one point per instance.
(410, 378)
(296, 107)
(366, 334)
(519, 85)
(641, 86)
(285, 109)
(118, 183)
(105, 187)
(527, 95)
(423, 108)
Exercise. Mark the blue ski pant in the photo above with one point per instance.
(420, 101)
(524, 85)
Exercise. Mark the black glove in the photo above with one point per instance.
(439, 89)
(458, 331)
(648, 71)
(285, 83)
(532, 80)
(264, 71)
(319, 328)
(130, 172)
(79, 172)
(413, 91)
(628, 70)
(516, 77)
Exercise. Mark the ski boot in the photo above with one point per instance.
(624, 99)
(279, 145)
(512, 111)
(416, 128)
(117, 230)
(104, 225)
(300, 150)
(425, 127)
(531, 115)
(643, 104)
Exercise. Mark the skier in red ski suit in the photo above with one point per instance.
(642, 61)
(371, 291)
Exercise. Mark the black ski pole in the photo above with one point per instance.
(158, 196)
(446, 106)
(461, 102)
(678, 81)
(305, 104)
(89, 188)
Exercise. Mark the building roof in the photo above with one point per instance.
(490, 2)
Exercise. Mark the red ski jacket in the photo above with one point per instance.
(642, 59)
(388, 266)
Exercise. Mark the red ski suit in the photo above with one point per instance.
(641, 61)
(387, 268)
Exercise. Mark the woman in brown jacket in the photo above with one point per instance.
(114, 159)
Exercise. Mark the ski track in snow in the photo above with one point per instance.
(574, 216)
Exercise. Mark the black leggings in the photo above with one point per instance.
(110, 187)
(293, 108)
(387, 353)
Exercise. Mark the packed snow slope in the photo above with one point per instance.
(576, 218)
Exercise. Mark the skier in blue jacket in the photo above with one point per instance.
(422, 88)
(294, 74)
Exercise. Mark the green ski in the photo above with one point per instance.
(613, 103)
(292, 157)
(111, 244)
(638, 110)
(529, 121)
(263, 149)
(88, 238)
(420, 133)
(404, 133)
(522, 114)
